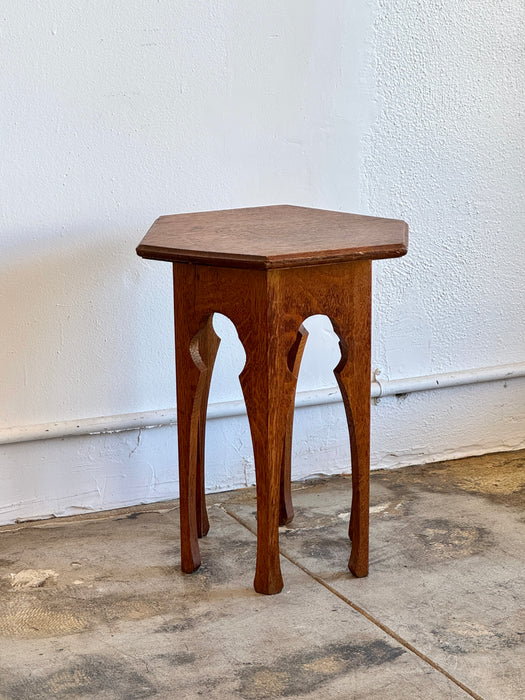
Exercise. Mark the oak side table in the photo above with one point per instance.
(267, 269)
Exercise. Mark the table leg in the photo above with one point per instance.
(194, 355)
(209, 343)
(188, 375)
(285, 498)
(268, 387)
(352, 325)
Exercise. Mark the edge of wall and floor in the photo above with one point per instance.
(120, 460)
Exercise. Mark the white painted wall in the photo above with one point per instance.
(113, 114)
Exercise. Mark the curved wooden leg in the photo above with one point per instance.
(285, 495)
(268, 387)
(208, 344)
(194, 343)
(352, 326)
(188, 375)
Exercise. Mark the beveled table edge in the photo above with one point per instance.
(281, 260)
(269, 262)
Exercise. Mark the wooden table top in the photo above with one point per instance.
(273, 237)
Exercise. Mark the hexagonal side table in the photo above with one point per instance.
(267, 269)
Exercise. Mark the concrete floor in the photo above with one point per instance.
(441, 615)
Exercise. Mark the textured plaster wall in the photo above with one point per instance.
(114, 114)
(445, 151)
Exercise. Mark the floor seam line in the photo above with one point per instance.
(361, 611)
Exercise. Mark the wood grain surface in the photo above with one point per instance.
(268, 307)
(273, 237)
(268, 269)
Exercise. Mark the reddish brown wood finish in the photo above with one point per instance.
(271, 237)
(285, 495)
(208, 345)
(267, 308)
(257, 276)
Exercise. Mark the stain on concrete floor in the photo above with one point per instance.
(88, 676)
(122, 621)
(499, 478)
(30, 619)
(444, 538)
(464, 636)
(307, 671)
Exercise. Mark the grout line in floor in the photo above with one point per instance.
(367, 615)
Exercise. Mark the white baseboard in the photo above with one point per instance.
(320, 397)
